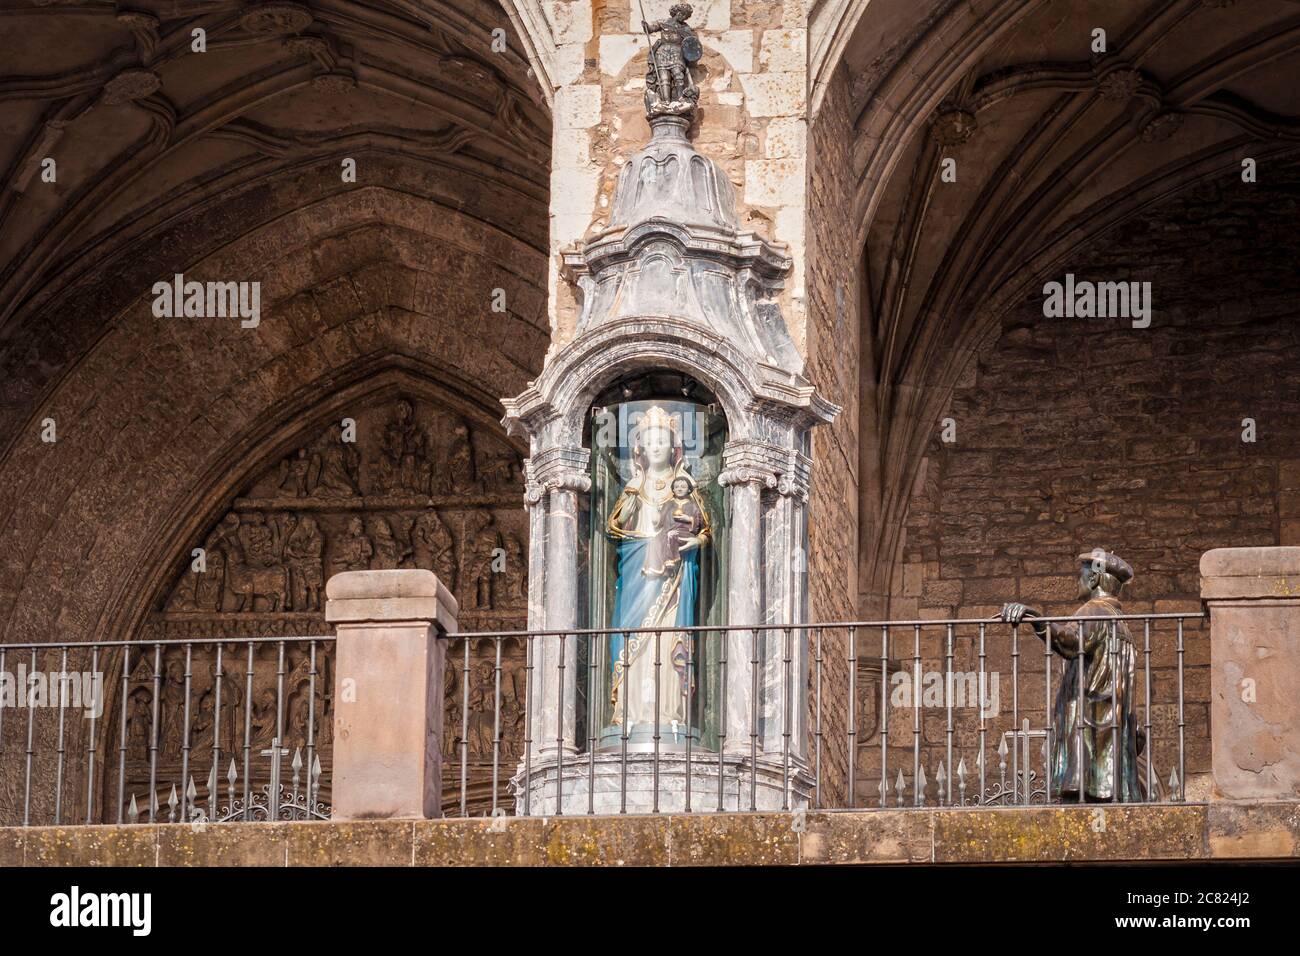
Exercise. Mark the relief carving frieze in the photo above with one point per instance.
(419, 485)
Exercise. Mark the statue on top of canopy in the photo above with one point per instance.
(669, 88)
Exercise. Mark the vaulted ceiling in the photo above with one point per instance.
(1053, 145)
(144, 130)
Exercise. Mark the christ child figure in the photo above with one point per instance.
(680, 519)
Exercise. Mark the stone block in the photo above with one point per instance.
(1254, 599)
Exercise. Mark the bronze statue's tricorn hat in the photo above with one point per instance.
(1100, 559)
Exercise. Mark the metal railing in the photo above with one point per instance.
(857, 755)
(849, 715)
(154, 731)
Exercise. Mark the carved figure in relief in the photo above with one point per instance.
(432, 544)
(246, 583)
(482, 709)
(502, 471)
(353, 550)
(388, 551)
(482, 541)
(401, 463)
(138, 724)
(303, 552)
(335, 463)
(210, 586)
(264, 719)
(172, 711)
(461, 475)
(514, 576)
(294, 472)
(452, 719)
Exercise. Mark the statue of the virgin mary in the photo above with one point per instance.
(659, 524)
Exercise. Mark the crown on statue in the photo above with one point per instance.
(656, 417)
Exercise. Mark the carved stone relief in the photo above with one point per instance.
(421, 486)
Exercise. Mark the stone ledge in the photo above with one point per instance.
(1088, 834)
(1251, 574)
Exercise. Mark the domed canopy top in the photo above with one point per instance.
(667, 179)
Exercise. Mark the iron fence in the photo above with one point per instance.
(838, 716)
(154, 731)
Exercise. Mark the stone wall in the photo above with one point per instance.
(751, 121)
(833, 330)
(1262, 831)
(1073, 434)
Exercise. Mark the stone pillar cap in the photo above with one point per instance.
(1246, 573)
(406, 594)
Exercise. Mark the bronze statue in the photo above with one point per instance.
(669, 87)
(1103, 650)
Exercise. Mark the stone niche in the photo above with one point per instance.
(427, 483)
(679, 311)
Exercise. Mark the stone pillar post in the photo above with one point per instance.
(1254, 599)
(388, 692)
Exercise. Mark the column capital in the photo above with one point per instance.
(557, 469)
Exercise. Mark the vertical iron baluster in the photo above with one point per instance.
(753, 720)
(218, 679)
(1015, 717)
(979, 694)
(852, 734)
(622, 741)
(1182, 749)
(592, 718)
(61, 692)
(884, 720)
(817, 725)
(496, 727)
(528, 727)
(121, 735)
(948, 694)
(654, 771)
(95, 705)
(280, 673)
(153, 734)
(464, 728)
(723, 637)
(918, 793)
(559, 734)
(690, 714)
(1051, 717)
(1150, 744)
(311, 729)
(248, 730)
(1113, 650)
(31, 716)
(185, 732)
(1080, 675)
(786, 720)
